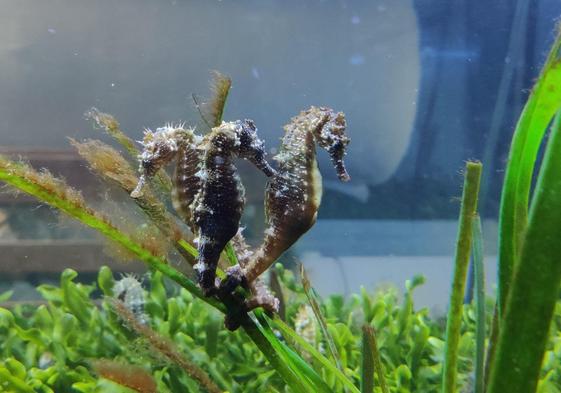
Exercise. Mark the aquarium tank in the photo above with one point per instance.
(280, 196)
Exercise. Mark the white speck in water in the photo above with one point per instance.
(255, 73)
(112, 84)
(50, 30)
(357, 59)
(355, 20)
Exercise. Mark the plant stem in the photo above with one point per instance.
(535, 286)
(492, 345)
(463, 246)
(315, 304)
(480, 305)
(369, 335)
(367, 366)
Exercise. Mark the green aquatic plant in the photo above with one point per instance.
(463, 250)
(543, 103)
(480, 331)
(529, 253)
(57, 345)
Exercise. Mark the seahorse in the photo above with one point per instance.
(293, 194)
(160, 148)
(219, 205)
(207, 189)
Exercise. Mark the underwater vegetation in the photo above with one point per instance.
(165, 333)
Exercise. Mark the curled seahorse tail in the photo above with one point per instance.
(242, 249)
(257, 266)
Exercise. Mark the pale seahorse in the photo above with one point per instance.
(160, 148)
(207, 189)
(293, 195)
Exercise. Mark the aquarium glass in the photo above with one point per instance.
(425, 86)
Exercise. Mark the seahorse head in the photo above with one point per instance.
(251, 147)
(159, 148)
(330, 134)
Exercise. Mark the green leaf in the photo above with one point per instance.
(367, 366)
(211, 341)
(51, 293)
(12, 382)
(535, 287)
(157, 296)
(75, 298)
(105, 280)
(529, 252)
(480, 304)
(231, 254)
(328, 365)
(314, 301)
(6, 295)
(282, 360)
(543, 103)
(15, 368)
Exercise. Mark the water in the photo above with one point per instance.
(424, 85)
(418, 83)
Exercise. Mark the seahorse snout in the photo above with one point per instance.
(337, 152)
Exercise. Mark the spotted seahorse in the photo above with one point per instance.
(293, 194)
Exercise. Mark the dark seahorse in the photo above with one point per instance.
(219, 205)
(208, 192)
(293, 195)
